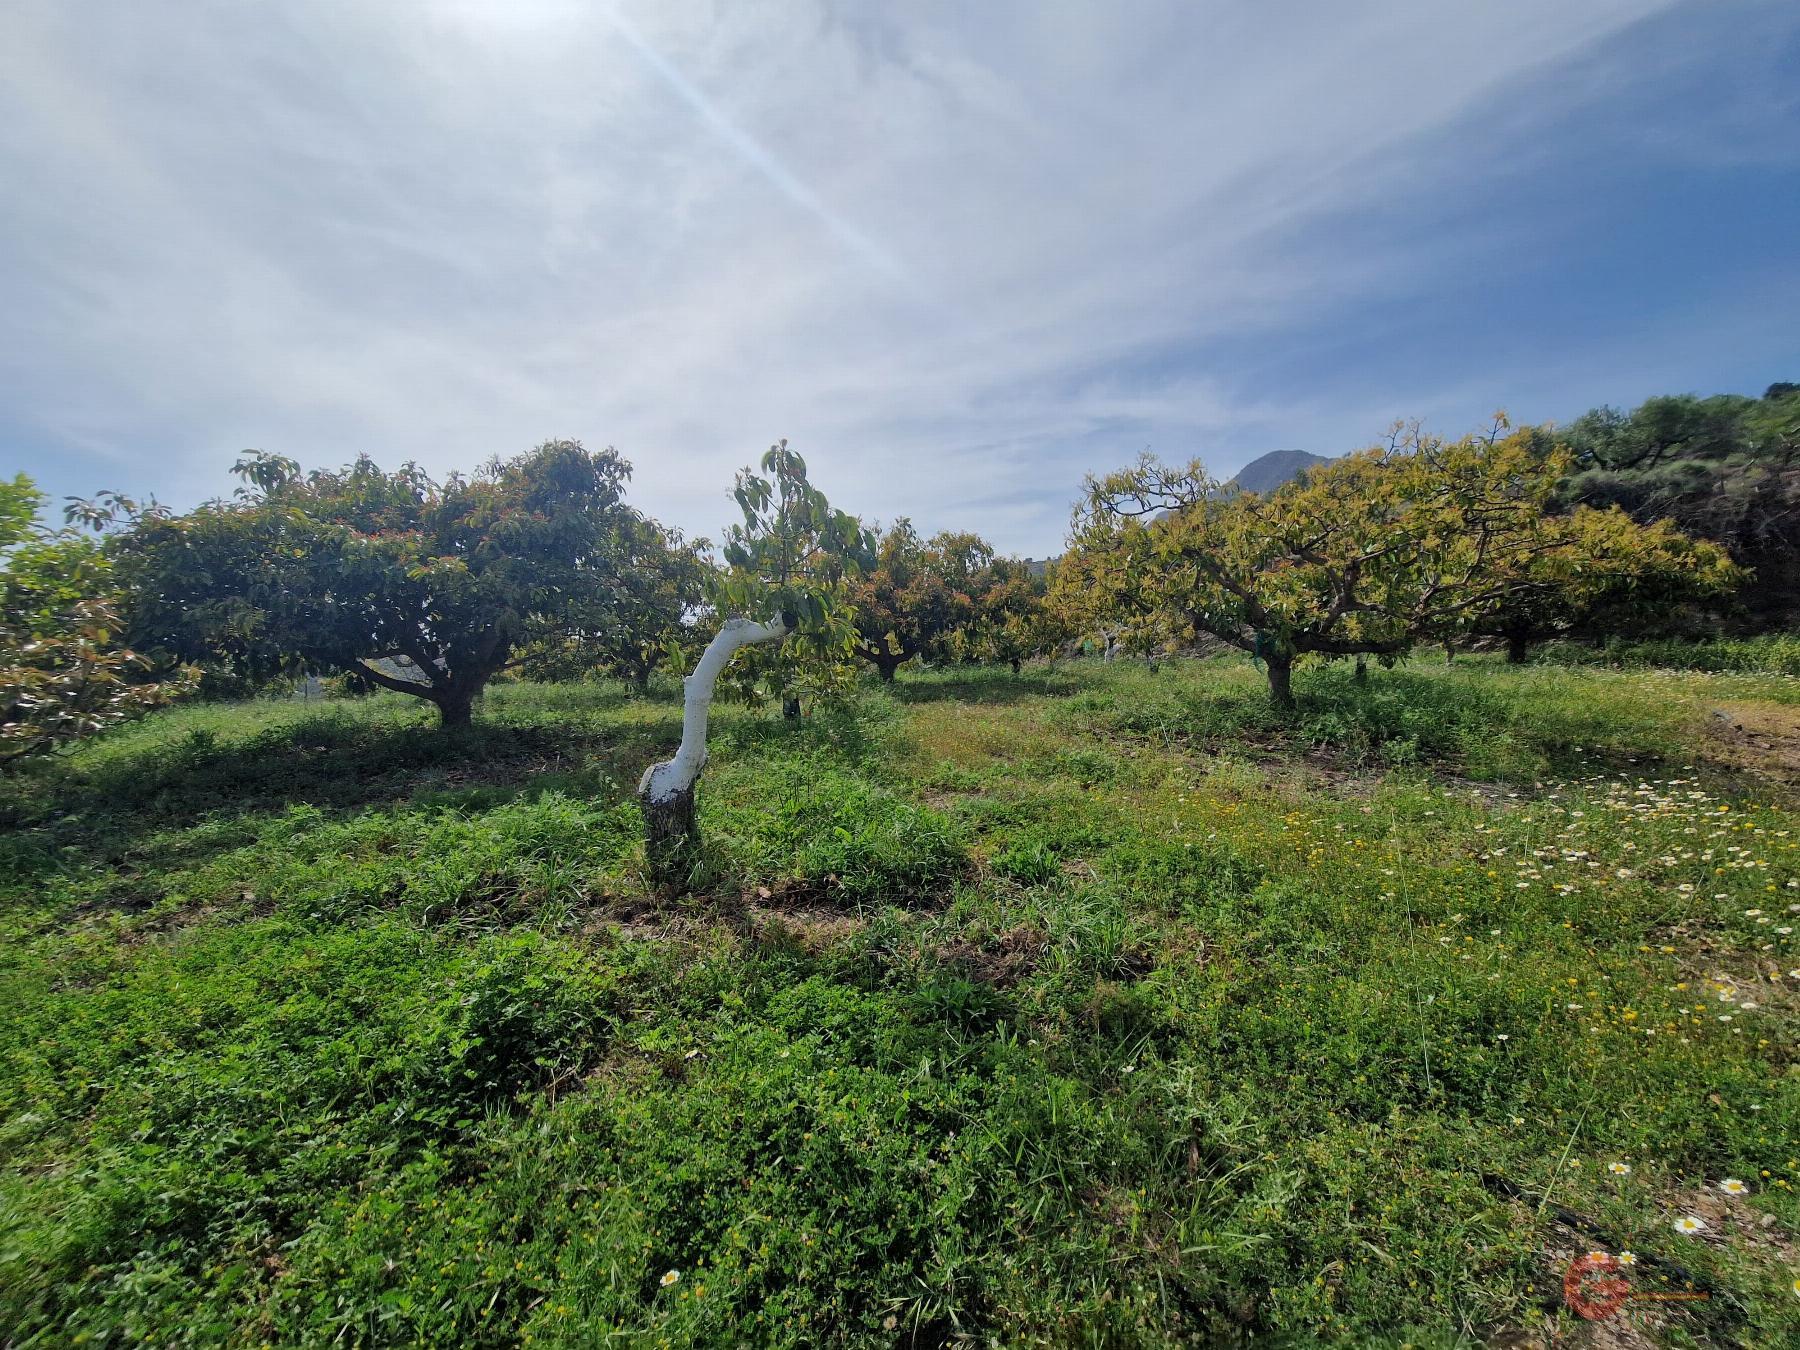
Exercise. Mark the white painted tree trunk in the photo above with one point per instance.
(663, 780)
(671, 836)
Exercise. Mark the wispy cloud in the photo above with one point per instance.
(754, 153)
(959, 254)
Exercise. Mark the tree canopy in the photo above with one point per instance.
(630, 630)
(1418, 539)
(426, 588)
(65, 673)
(796, 557)
(947, 597)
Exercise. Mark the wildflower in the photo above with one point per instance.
(1619, 1169)
(670, 1277)
(1687, 1223)
(1732, 1186)
(1628, 1257)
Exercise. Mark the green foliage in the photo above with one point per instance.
(794, 557)
(1771, 654)
(1462, 718)
(831, 832)
(423, 588)
(642, 621)
(64, 672)
(1725, 468)
(945, 598)
(1420, 540)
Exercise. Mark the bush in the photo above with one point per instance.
(830, 830)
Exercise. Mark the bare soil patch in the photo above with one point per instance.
(1759, 738)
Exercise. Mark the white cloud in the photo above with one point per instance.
(947, 249)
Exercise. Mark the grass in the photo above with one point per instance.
(1089, 1006)
(1770, 654)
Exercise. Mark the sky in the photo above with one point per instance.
(959, 255)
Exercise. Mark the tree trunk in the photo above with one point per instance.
(671, 839)
(667, 790)
(1362, 668)
(455, 710)
(887, 669)
(1015, 665)
(1449, 653)
(1518, 646)
(790, 707)
(641, 680)
(1281, 680)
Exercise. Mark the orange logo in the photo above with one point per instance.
(1593, 1287)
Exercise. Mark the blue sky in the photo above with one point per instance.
(960, 255)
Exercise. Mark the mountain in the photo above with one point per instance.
(1268, 472)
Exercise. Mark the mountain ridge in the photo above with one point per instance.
(1267, 472)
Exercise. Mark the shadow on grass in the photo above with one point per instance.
(181, 800)
(118, 808)
(981, 685)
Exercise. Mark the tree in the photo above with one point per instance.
(64, 674)
(630, 629)
(904, 606)
(924, 598)
(1096, 589)
(791, 562)
(944, 598)
(793, 543)
(1313, 568)
(423, 588)
(1010, 620)
(1611, 575)
(1725, 468)
(1420, 539)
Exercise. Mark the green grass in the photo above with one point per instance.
(1770, 654)
(1090, 1006)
